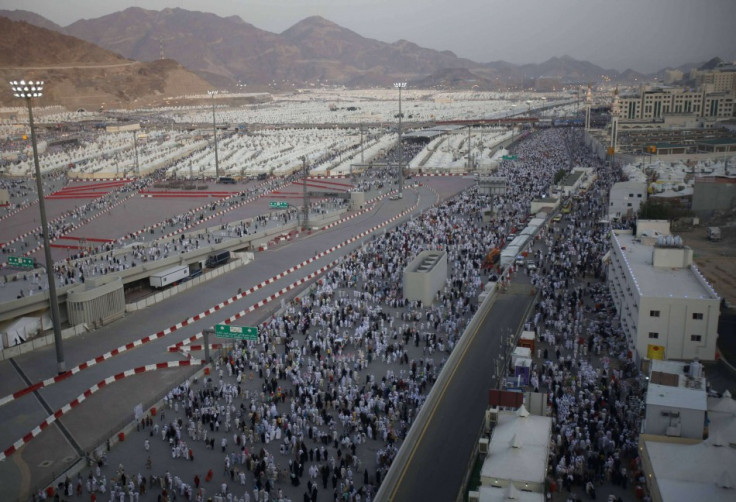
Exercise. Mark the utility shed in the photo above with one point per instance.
(425, 276)
(96, 303)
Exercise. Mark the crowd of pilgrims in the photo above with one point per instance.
(584, 361)
(320, 404)
(106, 258)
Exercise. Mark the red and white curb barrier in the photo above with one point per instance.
(200, 208)
(57, 219)
(369, 205)
(282, 291)
(14, 212)
(77, 226)
(156, 336)
(73, 228)
(103, 179)
(27, 438)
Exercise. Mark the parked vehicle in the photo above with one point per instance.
(714, 233)
(491, 259)
(566, 206)
(217, 259)
(169, 276)
(227, 180)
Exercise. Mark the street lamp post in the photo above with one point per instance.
(28, 90)
(399, 86)
(214, 134)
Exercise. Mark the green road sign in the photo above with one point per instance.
(509, 157)
(236, 332)
(278, 205)
(20, 261)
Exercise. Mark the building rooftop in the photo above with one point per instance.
(660, 282)
(677, 384)
(425, 261)
(571, 178)
(518, 449)
(718, 141)
(702, 471)
(676, 397)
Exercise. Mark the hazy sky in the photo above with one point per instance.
(645, 35)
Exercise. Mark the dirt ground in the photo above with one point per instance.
(716, 260)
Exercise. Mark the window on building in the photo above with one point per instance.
(698, 316)
(628, 204)
(638, 195)
(654, 313)
(695, 338)
(655, 335)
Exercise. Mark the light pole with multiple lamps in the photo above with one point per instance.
(214, 134)
(399, 86)
(27, 91)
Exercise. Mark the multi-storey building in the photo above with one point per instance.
(713, 98)
(653, 104)
(722, 78)
(666, 307)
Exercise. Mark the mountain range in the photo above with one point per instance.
(224, 51)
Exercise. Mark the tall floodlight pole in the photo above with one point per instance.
(135, 147)
(614, 129)
(28, 90)
(362, 159)
(305, 195)
(214, 134)
(588, 103)
(399, 86)
(469, 163)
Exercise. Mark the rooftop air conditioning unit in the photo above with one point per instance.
(491, 418)
(483, 446)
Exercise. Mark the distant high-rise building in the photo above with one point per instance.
(722, 78)
(671, 76)
(714, 97)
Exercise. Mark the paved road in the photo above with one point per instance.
(439, 460)
(103, 413)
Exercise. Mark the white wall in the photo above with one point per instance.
(691, 421)
(675, 326)
(625, 198)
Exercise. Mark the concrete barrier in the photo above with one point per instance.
(242, 259)
(41, 341)
(402, 457)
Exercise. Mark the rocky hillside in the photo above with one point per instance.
(79, 74)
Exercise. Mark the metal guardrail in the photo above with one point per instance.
(400, 461)
(396, 470)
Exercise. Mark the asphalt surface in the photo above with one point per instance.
(439, 461)
(101, 415)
